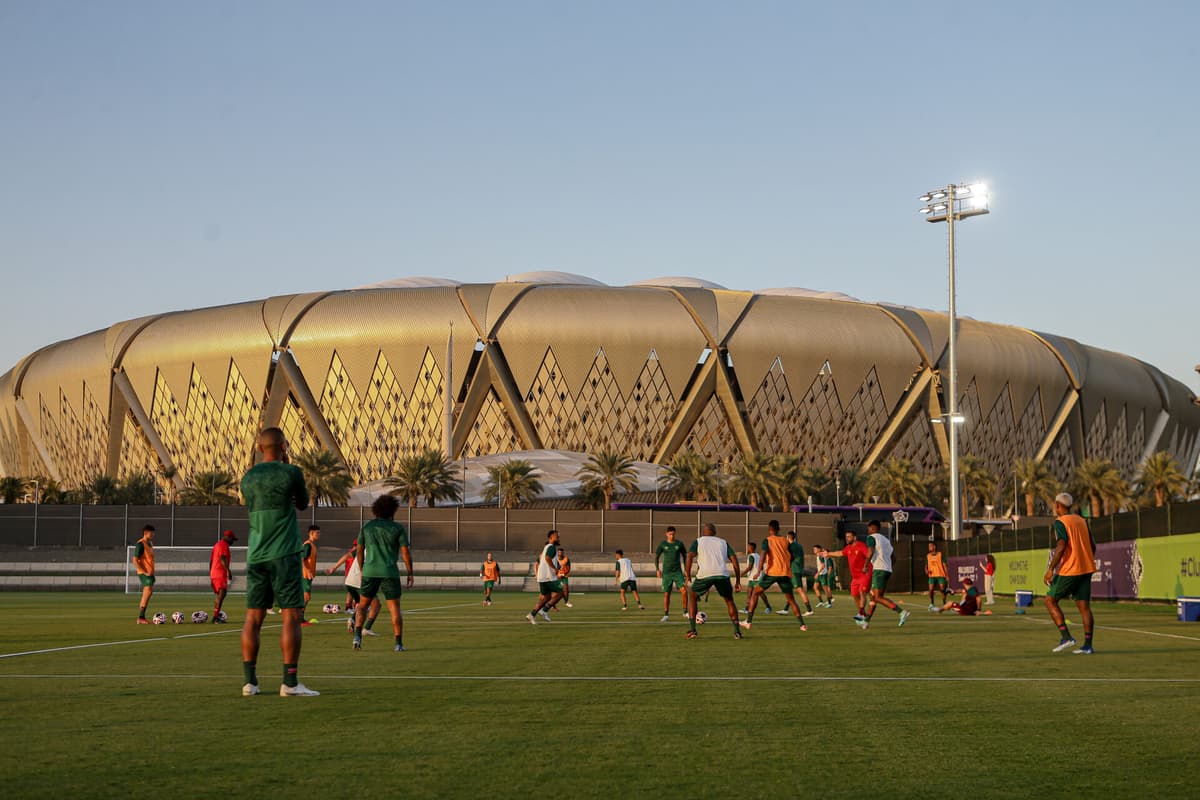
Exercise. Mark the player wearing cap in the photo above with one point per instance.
(489, 573)
(709, 555)
(858, 559)
(777, 567)
(1070, 573)
(273, 491)
(879, 551)
(220, 574)
(669, 559)
(381, 541)
(308, 557)
(143, 562)
(549, 589)
(935, 569)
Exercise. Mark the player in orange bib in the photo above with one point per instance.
(489, 573)
(143, 561)
(1070, 573)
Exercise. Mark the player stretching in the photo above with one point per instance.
(623, 576)
(1070, 573)
(669, 559)
(489, 573)
(709, 556)
(308, 560)
(220, 575)
(143, 561)
(381, 541)
(777, 565)
(939, 579)
(549, 589)
(754, 573)
(879, 550)
(860, 572)
(825, 575)
(273, 491)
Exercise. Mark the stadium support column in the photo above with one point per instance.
(32, 429)
(308, 404)
(121, 381)
(448, 422)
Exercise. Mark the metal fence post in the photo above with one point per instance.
(457, 527)
(173, 524)
(603, 524)
(81, 524)
(35, 523)
(506, 530)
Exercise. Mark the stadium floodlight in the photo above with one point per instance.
(960, 201)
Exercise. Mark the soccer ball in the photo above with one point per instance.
(222, 616)
(332, 608)
(701, 617)
(200, 616)
(177, 618)
(159, 618)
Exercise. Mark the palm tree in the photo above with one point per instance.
(167, 474)
(11, 487)
(691, 476)
(1037, 481)
(1102, 483)
(138, 489)
(512, 483)
(898, 482)
(813, 482)
(979, 484)
(105, 490)
(325, 476)
(1160, 476)
(591, 498)
(754, 480)
(212, 488)
(608, 472)
(853, 485)
(787, 472)
(51, 492)
(427, 474)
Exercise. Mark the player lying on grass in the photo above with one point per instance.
(967, 603)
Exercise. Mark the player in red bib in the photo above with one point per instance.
(220, 574)
(858, 558)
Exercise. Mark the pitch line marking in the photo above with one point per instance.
(638, 678)
(82, 647)
(1127, 630)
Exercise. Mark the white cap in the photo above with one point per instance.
(1064, 499)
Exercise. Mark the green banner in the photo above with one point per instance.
(1170, 567)
(1021, 570)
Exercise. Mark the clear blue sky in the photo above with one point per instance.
(160, 156)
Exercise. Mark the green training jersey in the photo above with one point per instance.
(381, 540)
(272, 491)
(673, 555)
(797, 551)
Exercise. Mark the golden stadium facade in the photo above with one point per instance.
(555, 361)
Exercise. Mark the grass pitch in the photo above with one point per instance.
(601, 703)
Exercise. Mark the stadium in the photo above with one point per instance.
(562, 362)
(557, 361)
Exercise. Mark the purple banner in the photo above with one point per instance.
(1116, 576)
(965, 567)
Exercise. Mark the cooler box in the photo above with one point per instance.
(1024, 599)
(1189, 609)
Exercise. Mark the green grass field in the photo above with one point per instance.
(599, 703)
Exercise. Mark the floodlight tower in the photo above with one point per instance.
(951, 204)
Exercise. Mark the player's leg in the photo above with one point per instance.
(393, 604)
(803, 595)
(932, 589)
(683, 594)
(1086, 619)
(637, 598)
(1053, 594)
(147, 590)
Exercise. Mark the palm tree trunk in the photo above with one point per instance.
(1029, 501)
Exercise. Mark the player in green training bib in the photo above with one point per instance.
(669, 559)
(380, 542)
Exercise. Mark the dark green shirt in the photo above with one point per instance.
(272, 491)
(797, 551)
(381, 540)
(672, 555)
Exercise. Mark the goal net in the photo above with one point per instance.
(185, 570)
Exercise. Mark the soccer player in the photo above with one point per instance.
(753, 575)
(624, 577)
(273, 491)
(825, 573)
(308, 556)
(564, 577)
(549, 589)
(777, 567)
(879, 551)
(380, 542)
(353, 582)
(1070, 573)
(489, 573)
(857, 558)
(709, 555)
(798, 576)
(143, 562)
(967, 604)
(935, 568)
(669, 559)
(220, 575)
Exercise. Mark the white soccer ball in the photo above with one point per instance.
(200, 616)
(159, 618)
(222, 616)
(701, 617)
(332, 608)
(177, 618)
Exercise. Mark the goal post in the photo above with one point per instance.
(185, 570)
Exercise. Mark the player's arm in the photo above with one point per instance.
(225, 565)
(406, 554)
(617, 574)
(737, 574)
(870, 556)
(658, 551)
(687, 567)
(358, 553)
(481, 572)
(497, 573)
(339, 563)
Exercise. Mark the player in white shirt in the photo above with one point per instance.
(625, 578)
(549, 589)
(879, 551)
(753, 574)
(709, 556)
